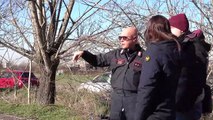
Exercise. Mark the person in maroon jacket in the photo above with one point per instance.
(125, 64)
(192, 81)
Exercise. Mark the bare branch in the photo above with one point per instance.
(65, 22)
(69, 31)
(124, 13)
(205, 15)
(19, 29)
(39, 38)
(19, 50)
(65, 53)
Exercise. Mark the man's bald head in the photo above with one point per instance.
(130, 32)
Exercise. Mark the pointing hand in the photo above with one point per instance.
(77, 55)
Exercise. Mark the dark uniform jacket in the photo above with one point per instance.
(158, 82)
(194, 70)
(124, 64)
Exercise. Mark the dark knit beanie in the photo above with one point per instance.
(180, 21)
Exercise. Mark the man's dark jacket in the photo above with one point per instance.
(125, 65)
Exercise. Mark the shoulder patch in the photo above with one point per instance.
(147, 58)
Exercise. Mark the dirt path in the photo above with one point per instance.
(10, 117)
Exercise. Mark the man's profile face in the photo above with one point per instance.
(128, 38)
(177, 32)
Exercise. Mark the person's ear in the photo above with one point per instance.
(136, 39)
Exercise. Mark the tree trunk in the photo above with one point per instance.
(47, 88)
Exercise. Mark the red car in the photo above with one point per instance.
(8, 79)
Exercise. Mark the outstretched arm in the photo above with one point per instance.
(101, 60)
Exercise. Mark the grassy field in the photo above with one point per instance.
(70, 103)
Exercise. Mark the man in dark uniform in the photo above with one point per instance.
(125, 64)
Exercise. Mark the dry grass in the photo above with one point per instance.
(85, 104)
(81, 105)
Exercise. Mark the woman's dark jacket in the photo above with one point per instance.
(158, 82)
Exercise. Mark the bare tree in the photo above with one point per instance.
(38, 29)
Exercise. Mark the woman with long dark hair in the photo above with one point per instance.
(160, 72)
